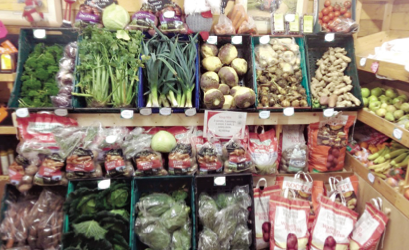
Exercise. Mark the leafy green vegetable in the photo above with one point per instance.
(115, 17)
(224, 200)
(121, 212)
(155, 204)
(154, 235)
(208, 240)
(207, 210)
(38, 79)
(179, 195)
(181, 239)
(117, 196)
(90, 229)
(242, 238)
(175, 217)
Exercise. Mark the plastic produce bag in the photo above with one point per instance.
(182, 158)
(21, 173)
(172, 19)
(152, 233)
(50, 172)
(145, 19)
(224, 26)
(348, 187)
(294, 159)
(242, 238)
(46, 221)
(236, 158)
(155, 204)
(248, 27)
(207, 210)
(263, 149)
(327, 141)
(175, 217)
(181, 238)
(208, 158)
(208, 240)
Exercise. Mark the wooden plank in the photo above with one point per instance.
(8, 77)
(368, 27)
(197, 120)
(366, 45)
(400, 21)
(372, 11)
(398, 223)
(383, 126)
(400, 7)
(8, 130)
(391, 70)
(387, 14)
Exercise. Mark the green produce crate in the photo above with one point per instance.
(26, 45)
(72, 187)
(244, 51)
(207, 184)
(163, 184)
(316, 46)
(300, 42)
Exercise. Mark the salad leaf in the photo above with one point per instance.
(175, 217)
(208, 240)
(155, 204)
(207, 210)
(224, 200)
(181, 239)
(121, 212)
(242, 238)
(90, 229)
(155, 236)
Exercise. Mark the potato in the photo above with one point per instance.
(24, 187)
(332, 101)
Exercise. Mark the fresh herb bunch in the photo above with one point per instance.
(109, 64)
(170, 70)
(38, 79)
(99, 219)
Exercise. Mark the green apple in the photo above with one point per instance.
(398, 114)
(366, 101)
(384, 105)
(396, 100)
(373, 98)
(389, 116)
(374, 105)
(407, 125)
(405, 107)
(376, 91)
(365, 92)
(390, 108)
(397, 105)
(384, 99)
(403, 98)
(391, 93)
(381, 112)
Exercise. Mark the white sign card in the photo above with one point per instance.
(224, 124)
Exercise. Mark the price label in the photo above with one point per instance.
(224, 124)
(22, 112)
(278, 22)
(61, 112)
(190, 112)
(375, 67)
(104, 184)
(236, 39)
(362, 62)
(371, 177)
(212, 40)
(397, 133)
(264, 40)
(290, 18)
(329, 37)
(127, 114)
(220, 181)
(407, 67)
(111, 139)
(328, 112)
(39, 33)
(145, 111)
(308, 24)
(288, 111)
(265, 114)
(165, 111)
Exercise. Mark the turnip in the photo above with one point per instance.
(240, 65)
(227, 53)
(208, 50)
(209, 80)
(224, 88)
(228, 76)
(213, 99)
(212, 63)
(244, 97)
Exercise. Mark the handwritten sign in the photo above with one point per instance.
(224, 124)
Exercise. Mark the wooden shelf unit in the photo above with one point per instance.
(8, 130)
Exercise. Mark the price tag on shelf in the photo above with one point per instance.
(375, 67)
(362, 62)
(111, 139)
(288, 111)
(22, 112)
(236, 39)
(407, 67)
(265, 114)
(190, 112)
(329, 37)
(212, 40)
(165, 111)
(290, 18)
(145, 111)
(220, 181)
(39, 33)
(397, 133)
(61, 112)
(328, 112)
(127, 114)
(371, 177)
(264, 39)
(104, 184)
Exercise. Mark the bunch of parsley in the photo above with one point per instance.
(109, 64)
(99, 219)
(38, 79)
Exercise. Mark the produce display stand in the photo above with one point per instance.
(6, 85)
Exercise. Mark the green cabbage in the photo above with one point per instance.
(115, 17)
(163, 142)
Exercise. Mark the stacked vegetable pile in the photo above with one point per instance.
(109, 65)
(170, 69)
(388, 104)
(330, 86)
(163, 221)
(224, 67)
(38, 79)
(279, 74)
(99, 219)
(224, 220)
